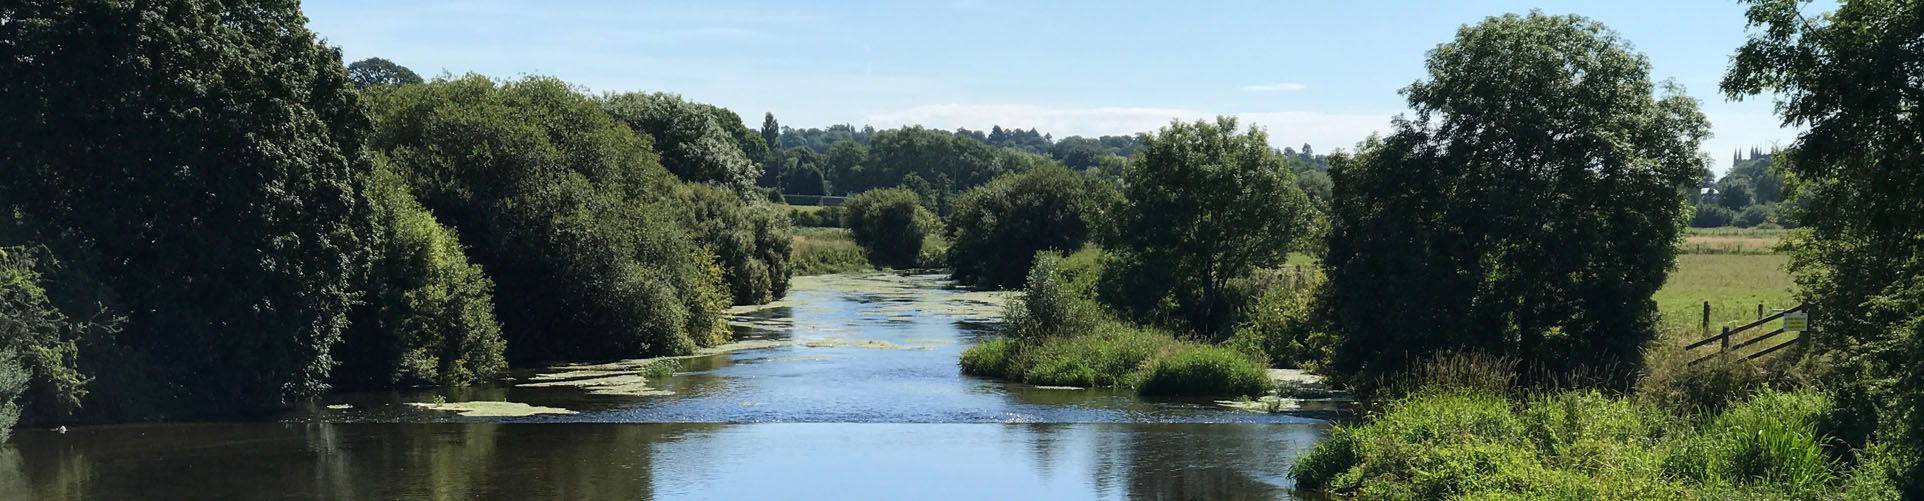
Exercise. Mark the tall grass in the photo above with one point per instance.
(819, 251)
(1471, 443)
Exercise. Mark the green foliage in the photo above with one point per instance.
(1475, 444)
(820, 217)
(1849, 81)
(584, 234)
(427, 314)
(1276, 322)
(752, 240)
(1057, 334)
(1530, 209)
(1205, 204)
(999, 227)
(221, 211)
(692, 143)
(1711, 216)
(37, 342)
(378, 71)
(13, 382)
(819, 251)
(1206, 370)
(948, 162)
(891, 224)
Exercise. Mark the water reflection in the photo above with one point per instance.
(635, 461)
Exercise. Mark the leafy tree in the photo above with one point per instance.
(999, 227)
(38, 349)
(751, 242)
(805, 180)
(1205, 204)
(566, 208)
(890, 223)
(771, 132)
(426, 315)
(1734, 194)
(1851, 80)
(1530, 209)
(845, 166)
(691, 142)
(377, 71)
(207, 155)
(1711, 216)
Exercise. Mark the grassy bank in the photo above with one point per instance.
(1057, 335)
(820, 251)
(1582, 445)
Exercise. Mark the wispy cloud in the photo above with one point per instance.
(1326, 131)
(1275, 87)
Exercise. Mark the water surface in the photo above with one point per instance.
(848, 388)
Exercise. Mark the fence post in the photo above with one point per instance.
(1760, 311)
(1726, 340)
(1706, 329)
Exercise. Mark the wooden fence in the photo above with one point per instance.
(1794, 320)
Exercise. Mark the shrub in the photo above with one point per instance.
(827, 250)
(567, 210)
(1276, 324)
(1711, 216)
(992, 358)
(999, 227)
(890, 223)
(1670, 383)
(1752, 216)
(427, 315)
(1206, 370)
(752, 241)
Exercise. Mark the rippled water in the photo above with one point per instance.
(848, 388)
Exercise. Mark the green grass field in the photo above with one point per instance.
(1730, 241)
(1733, 284)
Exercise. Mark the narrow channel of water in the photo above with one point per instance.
(848, 388)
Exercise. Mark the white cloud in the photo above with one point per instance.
(1275, 87)
(1324, 131)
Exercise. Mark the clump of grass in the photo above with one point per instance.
(1205, 370)
(819, 251)
(1469, 442)
(1669, 382)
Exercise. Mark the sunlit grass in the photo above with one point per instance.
(820, 251)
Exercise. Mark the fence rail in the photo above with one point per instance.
(1723, 339)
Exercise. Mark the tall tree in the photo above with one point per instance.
(1205, 203)
(691, 142)
(1530, 209)
(1853, 80)
(208, 153)
(771, 131)
(377, 71)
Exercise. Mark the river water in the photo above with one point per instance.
(846, 389)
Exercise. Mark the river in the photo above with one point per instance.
(846, 389)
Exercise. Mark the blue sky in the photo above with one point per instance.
(1323, 73)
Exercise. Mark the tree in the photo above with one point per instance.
(890, 223)
(377, 71)
(426, 314)
(999, 227)
(1851, 80)
(1205, 204)
(567, 209)
(771, 131)
(750, 242)
(1530, 209)
(209, 156)
(691, 142)
(1734, 194)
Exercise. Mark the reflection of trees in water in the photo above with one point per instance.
(340, 461)
(1179, 461)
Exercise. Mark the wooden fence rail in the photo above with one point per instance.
(1723, 339)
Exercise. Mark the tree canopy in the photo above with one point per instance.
(1530, 208)
(377, 71)
(1205, 203)
(1853, 80)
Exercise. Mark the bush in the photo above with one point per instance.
(1670, 383)
(427, 315)
(1711, 216)
(1206, 370)
(999, 227)
(891, 224)
(751, 239)
(1276, 324)
(820, 251)
(992, 358)
(1472, 443)
(567, 210)
(826, 217)
(1753, 215)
